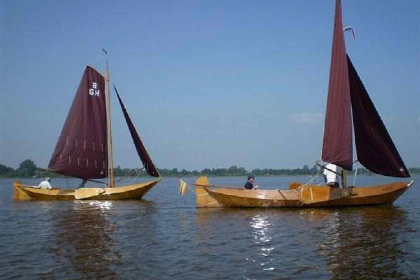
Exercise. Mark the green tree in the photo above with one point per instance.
(118, 171)
(242, 171)
(5, 170)
(206, 171)
(27, 168)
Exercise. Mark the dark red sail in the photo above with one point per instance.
(81, 150)
(337, 145)
(141, 150)
(375, 149)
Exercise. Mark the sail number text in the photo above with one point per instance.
(94, 91)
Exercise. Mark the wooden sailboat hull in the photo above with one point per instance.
(136, 191)
(304, 196)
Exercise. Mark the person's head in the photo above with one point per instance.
(251, 179)
(47, 179)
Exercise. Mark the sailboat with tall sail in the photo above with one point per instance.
(84, 149)
(348, 106)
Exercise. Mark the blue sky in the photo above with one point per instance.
(207, 83)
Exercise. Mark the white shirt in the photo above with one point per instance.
(44, 185)
(331, 176)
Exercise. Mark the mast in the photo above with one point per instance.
(111, 181)
(344, 178)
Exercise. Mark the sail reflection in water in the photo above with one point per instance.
(83, 239)
(348, 243)
(365, 239)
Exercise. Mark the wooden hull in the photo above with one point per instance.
(303, 196)
(136, 191)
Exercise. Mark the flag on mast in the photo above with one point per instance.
(182, 187)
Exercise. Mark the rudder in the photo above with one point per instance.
(203, 198)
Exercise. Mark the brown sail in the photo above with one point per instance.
(337, 144)
(375, 148)
(141, 150)
(81, 150)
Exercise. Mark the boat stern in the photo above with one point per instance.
(19, 194)
(203, 197)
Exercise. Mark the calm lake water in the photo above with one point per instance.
(166, 237)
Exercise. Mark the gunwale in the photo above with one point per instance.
(354, 196)
(135, 191)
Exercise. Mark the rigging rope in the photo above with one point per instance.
(355, 173)
(193, 190)
(308, 184)
(129, 175)
(312, 180)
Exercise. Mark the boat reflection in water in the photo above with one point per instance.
(365, 241)
(83, 240)
(346, 243)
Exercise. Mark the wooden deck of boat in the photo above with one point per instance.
(25, 192)
(231, 197)
(306, 196)
(136, 191)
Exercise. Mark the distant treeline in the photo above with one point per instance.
(28, 169)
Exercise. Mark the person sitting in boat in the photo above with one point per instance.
(249, 185)
(331, 173)
(45, 184)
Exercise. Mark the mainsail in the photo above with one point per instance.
(346, 97)
(337, 145)
(141, 150)
(375, 148)
(81, 150)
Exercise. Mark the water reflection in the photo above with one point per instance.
(210, 223)
(260, 226)
(261, 235)
(364, 241)
(246, 234)
(83, 239)
(346, 243)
